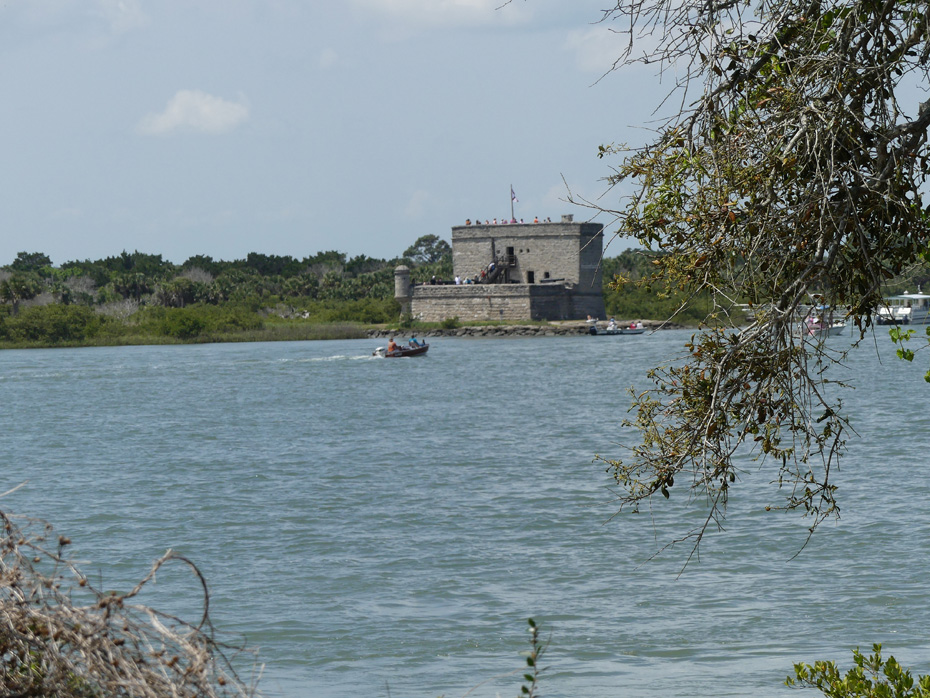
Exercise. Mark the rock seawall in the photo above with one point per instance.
(554, 330)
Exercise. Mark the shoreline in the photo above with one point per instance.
(564, 329)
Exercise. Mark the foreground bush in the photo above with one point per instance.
(870, 677)
(61, 637)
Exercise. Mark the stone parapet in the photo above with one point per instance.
(533, 252)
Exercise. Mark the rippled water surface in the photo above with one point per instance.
(384, 527)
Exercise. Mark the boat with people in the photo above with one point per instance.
(393, 351)
(816, 327)
(612, 328)
(905, 309)
(820, 321)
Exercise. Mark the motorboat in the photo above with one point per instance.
(820, 321)
(613, 328)
(402, 350)
(815, 327)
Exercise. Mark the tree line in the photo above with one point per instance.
(136, 297)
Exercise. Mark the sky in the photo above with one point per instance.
(289, 127)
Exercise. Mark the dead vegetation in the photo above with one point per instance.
(61, 637)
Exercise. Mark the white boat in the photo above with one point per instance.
(906, 309)
(819, 328)
(819, 321)
(613, 328)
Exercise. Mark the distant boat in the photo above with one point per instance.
(824, 329)
(821, 322)
(613, 328)
(401, 351)
(906, 309)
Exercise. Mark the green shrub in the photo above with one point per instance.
(51, 324)
(870, 677)
(196, 320)
(183, 325)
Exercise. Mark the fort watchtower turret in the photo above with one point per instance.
(402, 288)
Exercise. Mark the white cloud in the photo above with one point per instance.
(417, 204)
(446, 12)
(195, 111)
(122, 15)
(328, 58)
(596, 48)
(119, 15)
(66, 214)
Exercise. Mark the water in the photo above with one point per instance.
(385, 527)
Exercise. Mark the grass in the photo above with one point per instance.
(271, 332)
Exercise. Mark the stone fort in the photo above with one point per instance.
(518, 271)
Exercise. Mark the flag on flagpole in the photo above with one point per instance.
(513, 197)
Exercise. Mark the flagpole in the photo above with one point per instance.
(511, 203)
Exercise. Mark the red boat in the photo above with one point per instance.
(407, 350)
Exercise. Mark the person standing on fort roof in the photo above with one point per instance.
(536, 220)
(468, 221)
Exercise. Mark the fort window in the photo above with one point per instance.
(530, 277)
(545, 275)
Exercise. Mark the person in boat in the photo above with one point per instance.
(392, 345)
(414, 342)
(612, 325)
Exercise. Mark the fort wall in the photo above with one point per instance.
(546, 271)
(503, 302)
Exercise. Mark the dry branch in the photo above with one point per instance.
(61, 637)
